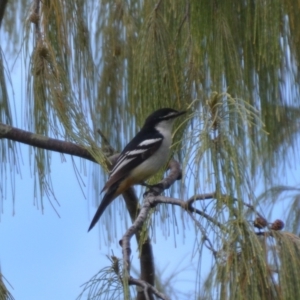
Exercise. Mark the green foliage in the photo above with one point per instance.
(106, 284)
(4, 292)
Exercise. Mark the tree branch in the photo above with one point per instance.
(43, 142)
(146, 287)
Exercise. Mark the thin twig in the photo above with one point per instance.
(253, 209)
(157, 5)
(106, 143)
(185, 17)
(38, 33)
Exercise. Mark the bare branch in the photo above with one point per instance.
(43, 142)
(134, 228)
(187, 206)
(200, 197)
(146, 288)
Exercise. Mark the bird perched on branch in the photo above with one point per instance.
(142, 158)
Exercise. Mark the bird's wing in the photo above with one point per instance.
(130, 158)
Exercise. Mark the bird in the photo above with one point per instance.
(141, 158)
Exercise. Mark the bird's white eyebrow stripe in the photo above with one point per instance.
(171, 114)
(149, 142)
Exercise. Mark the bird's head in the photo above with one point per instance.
(163, 118)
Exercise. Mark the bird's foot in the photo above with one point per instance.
(155, 189)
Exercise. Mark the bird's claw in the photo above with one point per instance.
(154, 190)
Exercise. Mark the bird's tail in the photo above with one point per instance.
(107, 199)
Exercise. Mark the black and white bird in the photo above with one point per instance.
(145, 154)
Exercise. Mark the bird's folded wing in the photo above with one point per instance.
(131, 158)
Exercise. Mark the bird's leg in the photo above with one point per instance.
(155, 189)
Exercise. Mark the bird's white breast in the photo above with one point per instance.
(152, 165)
